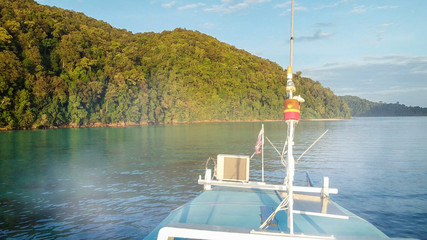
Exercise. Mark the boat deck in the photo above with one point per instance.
(247, 209)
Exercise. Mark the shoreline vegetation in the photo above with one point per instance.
(132, 124)
(62, 69)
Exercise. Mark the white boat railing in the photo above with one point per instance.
(208, 183)
(194, 231)
(323, 191)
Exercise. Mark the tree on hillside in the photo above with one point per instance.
(60, 67)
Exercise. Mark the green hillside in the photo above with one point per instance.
(364, 108)
(60, 68)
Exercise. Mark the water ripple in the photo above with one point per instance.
(120, 183)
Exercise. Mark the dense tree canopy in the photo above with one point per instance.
(364, 108)
(60, 67)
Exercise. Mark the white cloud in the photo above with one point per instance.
(335, 4)
(386, 7)
(362, 8)
(395, 90)
(230, 6)
(316, 36)
(208, 25)
(191, 6)
(168, 5)
(325, 24)
(296, 8)
(283, 5)
(384, 25)
(359, 9)
(389, 78)
(381, 31)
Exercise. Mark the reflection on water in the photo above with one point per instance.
(121, 182)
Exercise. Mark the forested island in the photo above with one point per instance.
(364, 108)
(60, 68)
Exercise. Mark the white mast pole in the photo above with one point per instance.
(262, 154)
(291, 170)
(292, 34)
(290, 133)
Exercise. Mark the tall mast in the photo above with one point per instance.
(290, 86)
(292, 34)
(292, 115)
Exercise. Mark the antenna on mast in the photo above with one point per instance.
(290, 86)
(292, 116)
(292, 33)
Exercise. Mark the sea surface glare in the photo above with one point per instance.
(119, 183)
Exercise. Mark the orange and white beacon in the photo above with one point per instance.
(292, 110)
(292, 107)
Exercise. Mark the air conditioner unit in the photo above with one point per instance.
(233, 167)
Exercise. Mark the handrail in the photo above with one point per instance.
(195, 231)
(261, 185)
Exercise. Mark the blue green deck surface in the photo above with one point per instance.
(233, 207)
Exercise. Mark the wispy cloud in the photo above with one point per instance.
(230, 6)
(191, 6)
(208, 25)
(169, 4)
(386, 7)
(390, 91)
(324, 24)
(296, 8)
(381, 30)
(386, 78)
(413, 63)
(384, 25)
(316, 36)
(335, 4)
(362, 8)
(359, 9)
(283, 5)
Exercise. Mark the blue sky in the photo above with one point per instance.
(372, 49)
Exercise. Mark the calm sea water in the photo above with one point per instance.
(117, 183)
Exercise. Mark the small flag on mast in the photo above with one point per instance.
(259, 141)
